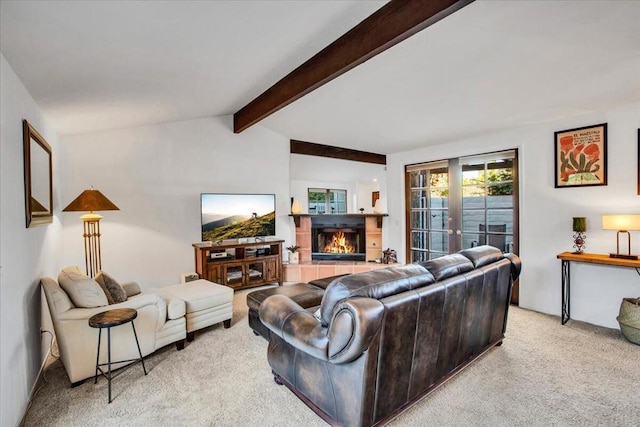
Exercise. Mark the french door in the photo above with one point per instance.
(460, 203)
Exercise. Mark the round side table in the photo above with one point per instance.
(109, 319)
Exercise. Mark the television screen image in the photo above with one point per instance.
(236, 216)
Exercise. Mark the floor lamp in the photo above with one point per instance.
(91, 200)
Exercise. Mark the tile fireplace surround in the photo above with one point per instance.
(311, 270)
(308, 270)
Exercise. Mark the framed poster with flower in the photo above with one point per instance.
(581, 156)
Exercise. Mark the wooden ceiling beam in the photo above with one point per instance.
(389, 25)
(313, 149)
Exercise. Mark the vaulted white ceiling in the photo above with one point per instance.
(98, 65)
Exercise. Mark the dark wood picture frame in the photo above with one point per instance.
(580, 156)
(38, 177)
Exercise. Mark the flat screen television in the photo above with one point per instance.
(236, 216)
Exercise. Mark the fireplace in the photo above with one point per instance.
(338, 237)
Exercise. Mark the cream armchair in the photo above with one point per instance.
(160, 321)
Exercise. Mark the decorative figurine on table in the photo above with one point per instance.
(389, 256)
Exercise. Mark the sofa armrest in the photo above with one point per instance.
(176, 308)
(138, 302)
(296, 326)
(516, 265)
(354, 324)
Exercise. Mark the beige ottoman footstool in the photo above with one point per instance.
(206, 304)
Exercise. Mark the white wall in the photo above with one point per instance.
(546, 212)
(324, 172)
(155, 175)
(26, 254)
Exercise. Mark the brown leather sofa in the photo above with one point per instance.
(382, 340)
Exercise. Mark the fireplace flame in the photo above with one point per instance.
(339, 244)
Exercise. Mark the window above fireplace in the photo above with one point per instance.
(327, 200)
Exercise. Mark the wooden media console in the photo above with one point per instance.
(239, 264)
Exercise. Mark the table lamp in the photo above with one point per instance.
(296, 207)
(579, 227)
(622, 224)
(91, 200)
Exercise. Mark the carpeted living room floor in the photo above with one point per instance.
(544, 374)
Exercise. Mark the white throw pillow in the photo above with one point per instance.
(83, 290)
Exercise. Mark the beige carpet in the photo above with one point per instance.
(544, 374)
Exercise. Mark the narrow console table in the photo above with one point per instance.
(567, 257)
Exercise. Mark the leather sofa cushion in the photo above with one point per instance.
(325, 281)
(483, 255)
(373, 284)
(448, 266)
(83, 291)
(304, 294)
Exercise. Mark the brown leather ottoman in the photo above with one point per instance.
(304, 294)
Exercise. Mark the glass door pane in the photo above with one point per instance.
(233, 274)
(428, 212)
(255, 273)
(487, 201)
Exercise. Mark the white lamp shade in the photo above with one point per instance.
(296, 207)
(621, 222)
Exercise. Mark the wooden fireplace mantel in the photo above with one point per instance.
(296, 217)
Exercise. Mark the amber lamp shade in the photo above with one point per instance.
(91, 201)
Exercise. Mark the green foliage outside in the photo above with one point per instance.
(499, 182)
(505, 178)
(264, 225)
(317, 197)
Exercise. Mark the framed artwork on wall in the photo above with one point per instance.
(375, 195)
(581, 156)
